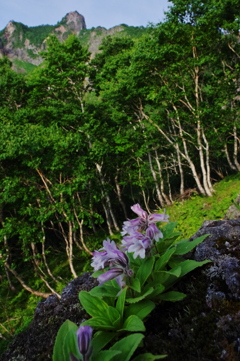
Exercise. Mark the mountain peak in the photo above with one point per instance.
(74, 21)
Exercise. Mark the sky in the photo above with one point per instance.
(106, 13)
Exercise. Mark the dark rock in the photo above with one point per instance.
(205, 325)
(36, 342)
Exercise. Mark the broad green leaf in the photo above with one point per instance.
(140, 309)
(101, 339)
(106, 355)
(163, 245)
(133, 324)
(141, 297)
(127, 346)
(113, 314)
(168, 229)
(99, 323)
(145, 270)
(94, 306)
(66, 342)
(121, 301)
(175, 260)
(104, 291)
(185, 246)
(189, 265)
(135, 284)
(172, 296)
(148, 357)
(157, 290)
(163, 276)
(163, 260)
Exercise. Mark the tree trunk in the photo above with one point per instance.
(235, 148)
(23, 284)
(159, 195)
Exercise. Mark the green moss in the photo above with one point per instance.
(191, 213)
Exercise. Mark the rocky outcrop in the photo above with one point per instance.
(205, 326)
(16, 45)
(75, 22)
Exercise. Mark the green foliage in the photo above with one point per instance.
(66, 342)
(35, 34)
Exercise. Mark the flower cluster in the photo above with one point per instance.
(138, 238)
(110, 256)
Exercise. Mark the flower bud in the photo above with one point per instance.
(84, 336)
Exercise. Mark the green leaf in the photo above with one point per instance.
(163, 260)
(127, 346)
(66, 342)
(163, 276)
(104, 291)
(148, 357)
(121, 301)
(106, 355)
(172, 296)
(140, 309)
(157, 290)
(185, 246)
(145, 270)
(163, 245)
(99, 323)
(97, 273)
(189, 265)
(101, 339)
(113, 315)
(135, 284)
(94, 306)
(141, 297)
(133, 324)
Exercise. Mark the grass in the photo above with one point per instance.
(17, 309)
(191, 213)
(23, 66)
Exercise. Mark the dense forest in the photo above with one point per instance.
(147, 120)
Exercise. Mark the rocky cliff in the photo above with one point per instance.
(22, 44)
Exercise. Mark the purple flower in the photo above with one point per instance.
(109, 275)
(99, 260)
(139, 243)
(110, 255)
(84, 336)
(153, 232)
(143, 221)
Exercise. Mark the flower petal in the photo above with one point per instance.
(109, 275)
(139, 211)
